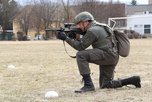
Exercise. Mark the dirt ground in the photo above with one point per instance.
(41, 66)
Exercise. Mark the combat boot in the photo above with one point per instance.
(134, 80)
(88, 85)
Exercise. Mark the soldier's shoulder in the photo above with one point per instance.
(95, 28)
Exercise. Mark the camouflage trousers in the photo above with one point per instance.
(107, 60)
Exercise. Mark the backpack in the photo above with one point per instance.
(119, 38)
(123, 43)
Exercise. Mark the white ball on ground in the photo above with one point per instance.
(11, 66)
(51, 94)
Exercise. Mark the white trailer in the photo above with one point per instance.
(140, 23)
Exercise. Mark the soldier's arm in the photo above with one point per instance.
(83, 43)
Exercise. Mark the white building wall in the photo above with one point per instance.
(137, 22)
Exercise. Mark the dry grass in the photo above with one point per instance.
(43, 66)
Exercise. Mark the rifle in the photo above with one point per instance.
(69, 29)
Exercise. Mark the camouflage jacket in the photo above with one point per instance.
(95, 36)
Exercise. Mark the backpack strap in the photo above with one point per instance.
(106, 27)
(111, 36)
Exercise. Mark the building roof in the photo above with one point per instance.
(138, 9)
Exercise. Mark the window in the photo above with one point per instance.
(147, 29)
(150, 12)
(135, 26)
(141, 26)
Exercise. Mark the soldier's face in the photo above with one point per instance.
(83, 25)
(80, 25)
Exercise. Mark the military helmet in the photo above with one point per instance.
(83, 16)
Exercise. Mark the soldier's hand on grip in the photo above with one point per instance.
(61, 36)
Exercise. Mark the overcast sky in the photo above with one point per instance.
(124, 1)
(128, 1)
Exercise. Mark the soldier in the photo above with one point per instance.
(104, 54)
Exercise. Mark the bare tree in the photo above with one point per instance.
(48, 14)
(37, 19)
(101, 10)
(87, 5)
(24, 18)
(13, 9)
(5, 19)
(68, 13)
(67, 10)
(45, 15)
(8, 9)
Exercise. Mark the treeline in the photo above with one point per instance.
(43, 14)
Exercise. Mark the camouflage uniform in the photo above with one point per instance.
(102, 54)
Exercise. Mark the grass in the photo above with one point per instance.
(41, 66)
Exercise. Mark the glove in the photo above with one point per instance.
(61, 36)
(72, 35)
